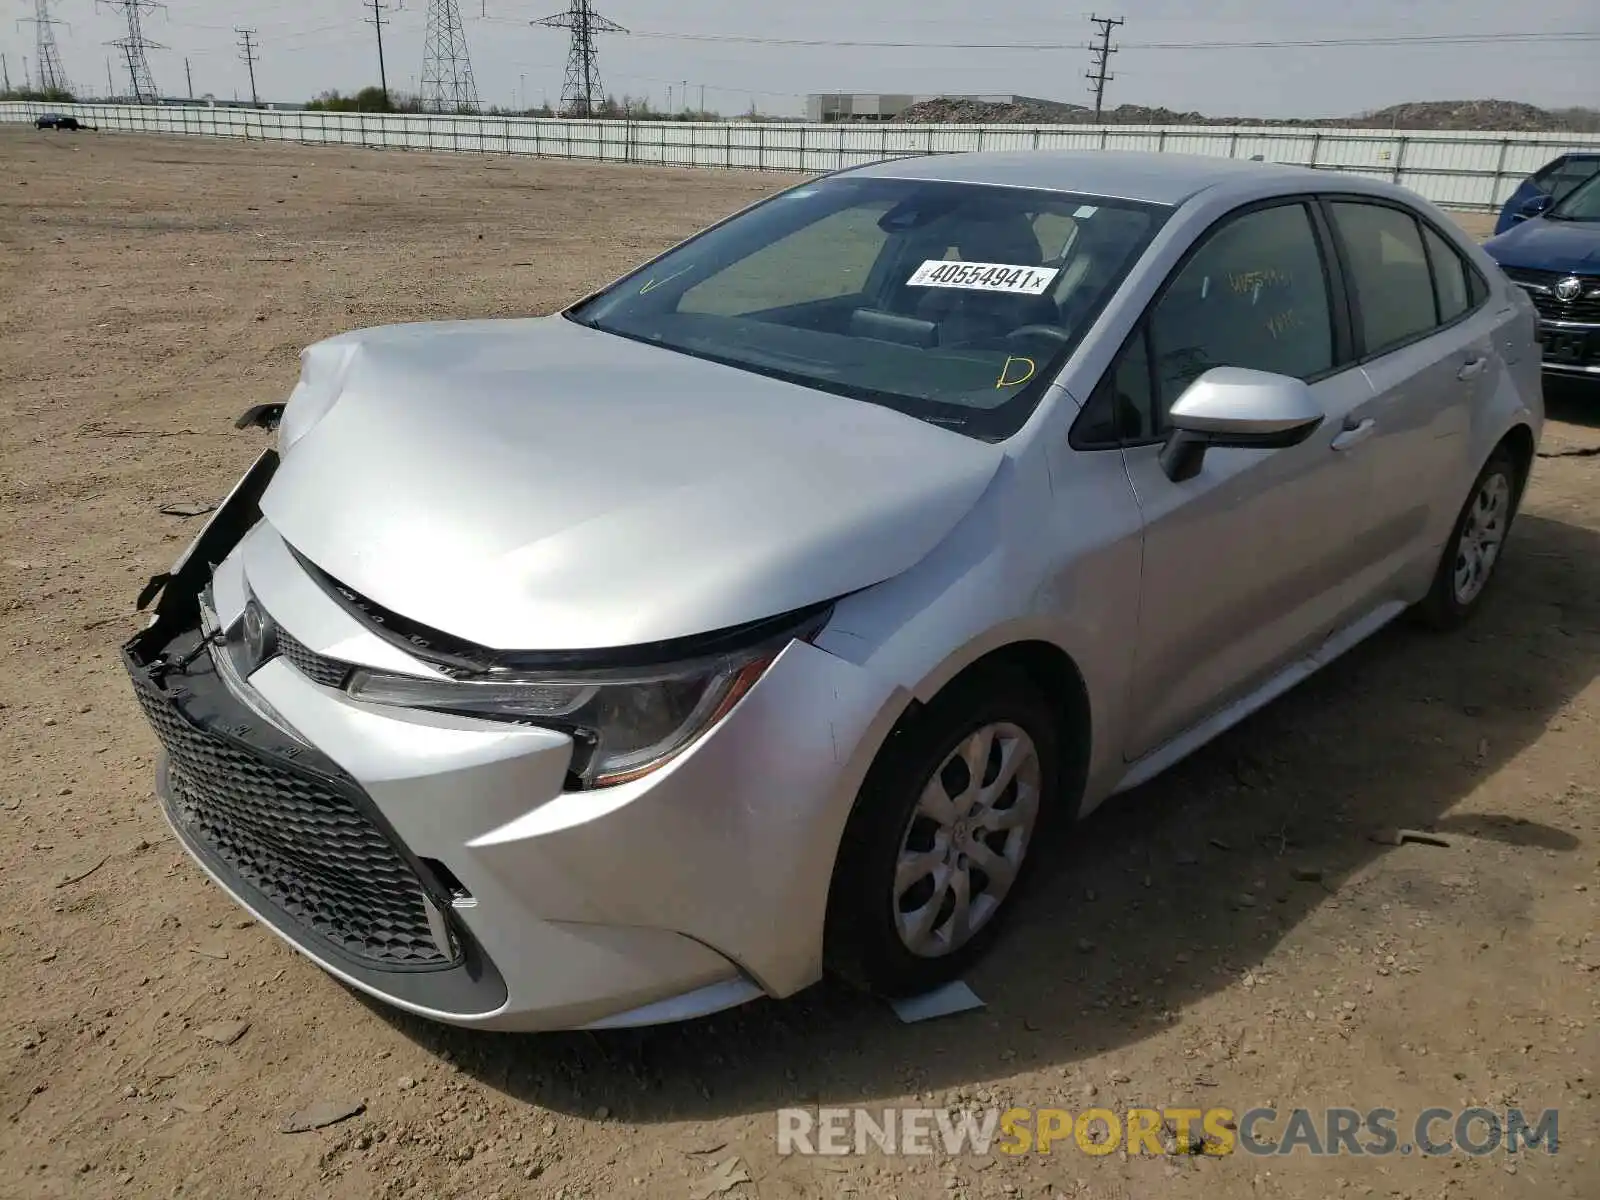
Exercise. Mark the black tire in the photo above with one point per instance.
(1442, 608)
(862, 943)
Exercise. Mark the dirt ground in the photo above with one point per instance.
(150, 290)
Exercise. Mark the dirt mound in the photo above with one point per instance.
(1467, 114)
(1512, 115)
(957, 110)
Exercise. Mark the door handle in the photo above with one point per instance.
(1353, 437)
(1473, 367)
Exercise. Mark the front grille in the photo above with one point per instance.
(1541, 285)
(329, 672)
(298, 841)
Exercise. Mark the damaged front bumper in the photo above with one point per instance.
(277, 823)
(439, 862)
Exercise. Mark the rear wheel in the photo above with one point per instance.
(1475, 546)
(939, 840)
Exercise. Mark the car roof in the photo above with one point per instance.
(1155, 178)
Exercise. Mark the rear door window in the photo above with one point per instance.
(1389, 276)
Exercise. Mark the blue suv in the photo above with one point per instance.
(1554, 255)
(1549, 185)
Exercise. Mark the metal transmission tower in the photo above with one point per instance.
(1098, 75)
(52, 77)
(447, 83)
(581, 91)
(134, 47)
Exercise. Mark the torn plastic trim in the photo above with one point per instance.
(261, 416)
(179, 588)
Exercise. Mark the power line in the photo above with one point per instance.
(378, 21)
(250, 55)
(312, 35)
(1443, 39)
(581, 90)
(447, 82)
(1098, 74)
(52, 76)
(134, 48)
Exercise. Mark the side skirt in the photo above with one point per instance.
(1188, 742)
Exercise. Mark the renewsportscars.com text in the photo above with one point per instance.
(1376, 1132)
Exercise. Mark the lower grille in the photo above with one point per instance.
(296, 839)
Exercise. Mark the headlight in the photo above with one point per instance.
(625, 723)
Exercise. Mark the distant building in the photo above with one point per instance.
(885, 106)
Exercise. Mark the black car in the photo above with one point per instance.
(57, 121)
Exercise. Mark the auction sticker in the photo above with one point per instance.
(983, 277)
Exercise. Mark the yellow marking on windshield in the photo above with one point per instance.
(1028, 368)
(652, 284)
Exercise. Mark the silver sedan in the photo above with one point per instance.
(757, 615)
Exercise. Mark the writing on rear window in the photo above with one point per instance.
(983, 277)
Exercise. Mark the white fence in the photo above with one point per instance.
(1460, 170)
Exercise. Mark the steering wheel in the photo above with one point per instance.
(1049, 331)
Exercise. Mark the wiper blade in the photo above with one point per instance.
(787, 362)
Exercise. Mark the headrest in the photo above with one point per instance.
(1008, 239)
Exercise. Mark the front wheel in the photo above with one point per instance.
(1475, 546)
(940, 837)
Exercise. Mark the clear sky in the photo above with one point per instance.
(307, 46)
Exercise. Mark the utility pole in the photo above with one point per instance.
(134, 48)
(378, 20)
(189, 75)
(702, 99)
(52, 76)
(111, 84)
(1098, 75)
(581, 91)
(250, 56)
(447, 82)
(5, 74)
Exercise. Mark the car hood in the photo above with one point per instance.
(536, 484)
(1541, 245)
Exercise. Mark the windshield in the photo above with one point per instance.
(954, 303)
(1582, 204)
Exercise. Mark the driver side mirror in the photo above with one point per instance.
(1238, 408)
(1534, 207)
